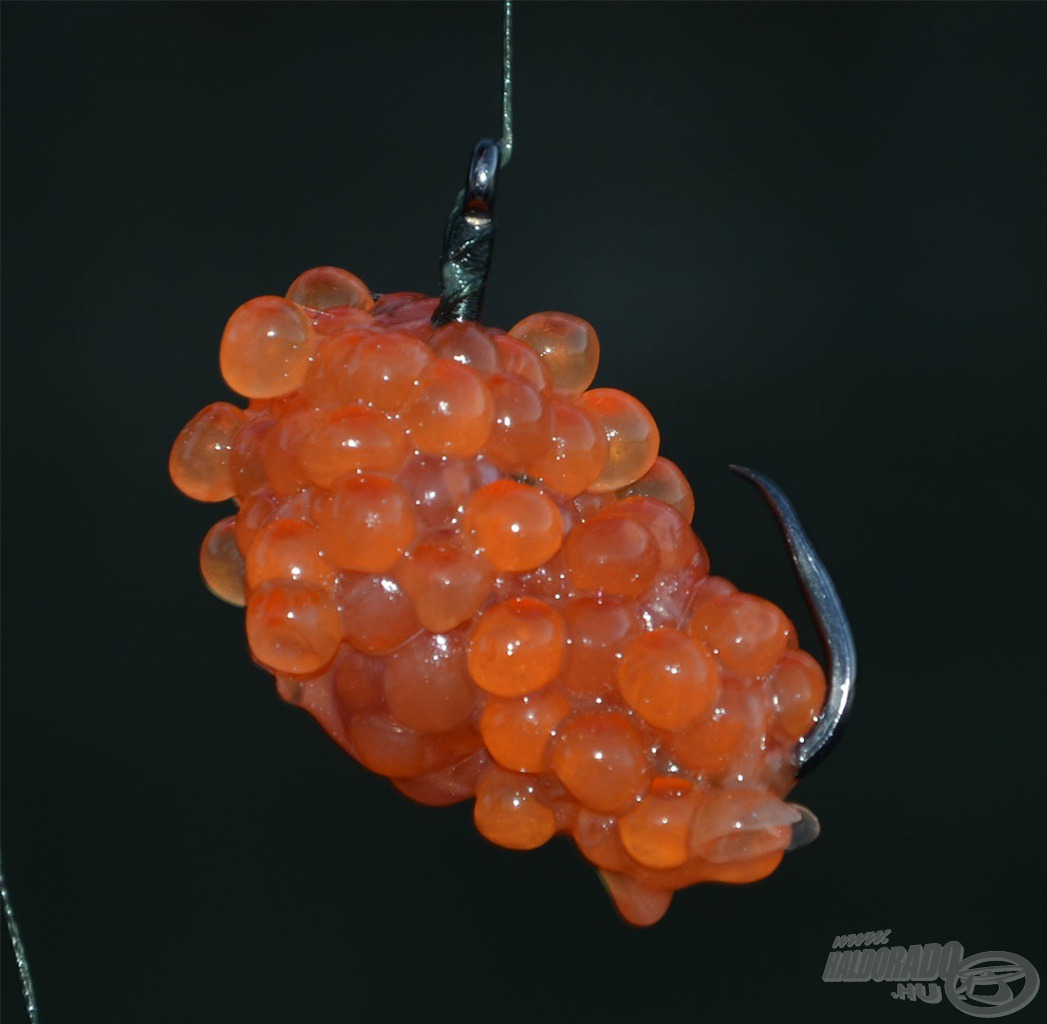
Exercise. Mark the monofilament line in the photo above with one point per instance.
(20, 958)
(505, 143)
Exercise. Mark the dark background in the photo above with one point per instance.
(810, 238)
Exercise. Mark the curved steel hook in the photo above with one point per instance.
(829, 617)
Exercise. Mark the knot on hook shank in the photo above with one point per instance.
(469, 240)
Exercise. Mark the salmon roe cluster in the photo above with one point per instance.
(479, 576)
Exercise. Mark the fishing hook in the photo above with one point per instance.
(829, 617)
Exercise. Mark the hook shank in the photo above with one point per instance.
(469, 240)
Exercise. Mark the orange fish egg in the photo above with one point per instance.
(516, 647)
(377, 369)
(200, 459)
(520, 359)
(383, 745)
(377, 615)
(337, 321)
(325, 287)
(747, 633)
(613, 555)
(346, 440)
(639, 904)
(600, 757)
(668, 679)
(245, 463)
(368, 524)
(266, 348)
(387, 747)
(656, 833)
(441, 487)
(567, 345)
(280, 447)
(222, 565)
(359, 680)
(710, 587)
(288, 549)
(589, 504)
(452, 412)
(523, 422)
(467, 344)
(255, 511)
(509, 813)
(598, 631)
(665, 482)
(447, 584)
(598, 840)
(709, 746)
(293, 628)
(576, 453)
(632, 436)
(519, 731)
(451, 784)
(427, 684)
(798, 691)
(513, 525)
(675, 540)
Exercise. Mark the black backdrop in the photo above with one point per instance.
(810, 238)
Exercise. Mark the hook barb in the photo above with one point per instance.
(829, 616)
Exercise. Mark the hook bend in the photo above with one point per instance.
(829, 617)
